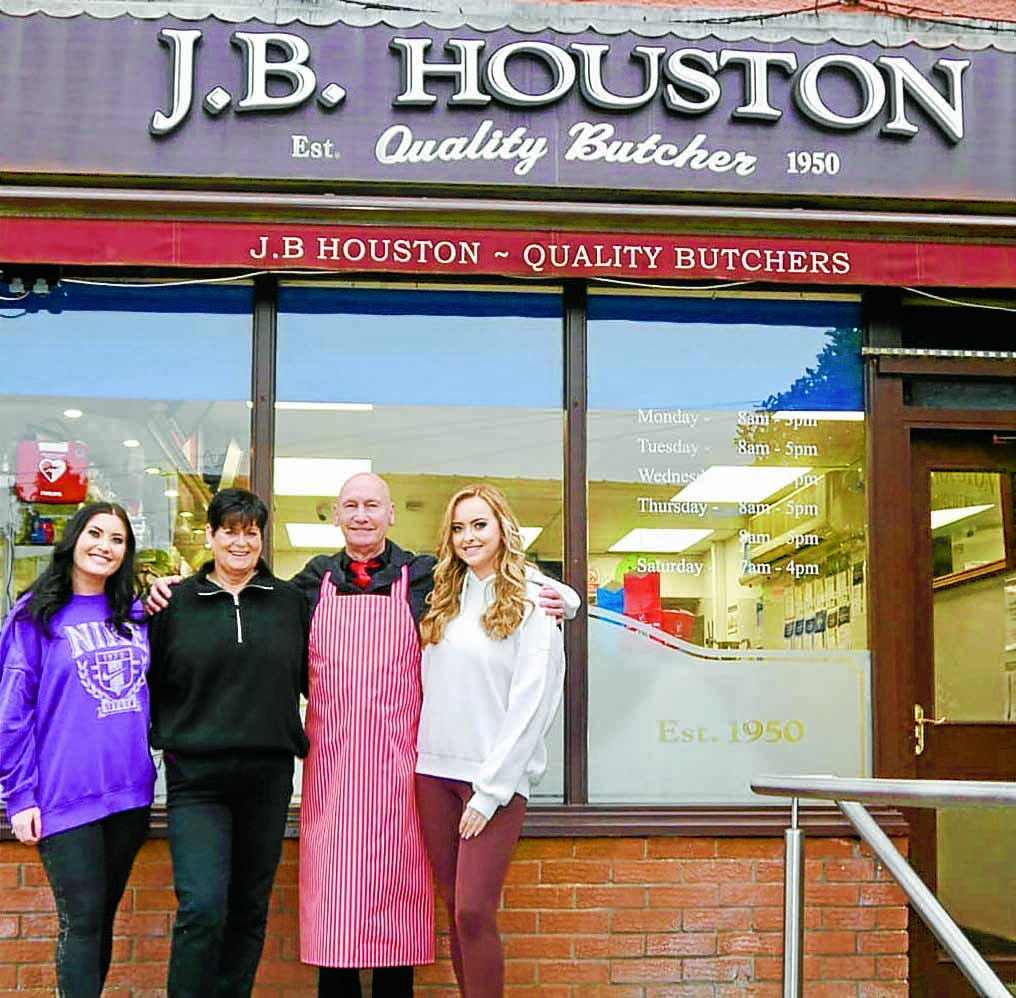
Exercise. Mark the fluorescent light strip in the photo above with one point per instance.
(643, 540)
(314, 535)
(315, 476)
(325, 406)
(739, 483)
(943, 517)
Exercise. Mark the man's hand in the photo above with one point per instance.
(161, 593)
(27, 825)
(552, 602)
(472, 823)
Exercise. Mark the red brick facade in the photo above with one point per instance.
(617, 917)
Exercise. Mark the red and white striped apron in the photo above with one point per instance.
(366, 898)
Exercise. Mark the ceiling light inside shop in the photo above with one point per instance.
(529, 534)
(803, 416)
(131, 442)
(314, 535)
(73, 413)
(153, 469)
(171, 493)
(644, 540)
(315, 476)
(325, 406)
(943, 517)
(737, 483)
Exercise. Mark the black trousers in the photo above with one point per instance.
(344, 982)
(88, 869)
(226, 820)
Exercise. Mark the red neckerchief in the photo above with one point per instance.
(361, 576)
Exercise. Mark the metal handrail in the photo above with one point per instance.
(848, 794)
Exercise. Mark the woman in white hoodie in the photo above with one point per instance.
(493, 670)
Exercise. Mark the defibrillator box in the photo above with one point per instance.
(51, 472)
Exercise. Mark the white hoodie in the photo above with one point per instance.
(487, 704)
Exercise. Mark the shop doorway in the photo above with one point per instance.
(964, 544)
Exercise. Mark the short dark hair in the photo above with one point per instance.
(236, 507)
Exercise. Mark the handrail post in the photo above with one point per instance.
(793, 905)
(850, 794)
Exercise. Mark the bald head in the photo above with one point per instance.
(364, 482)
(364, 512)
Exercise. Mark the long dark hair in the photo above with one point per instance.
(53, 589)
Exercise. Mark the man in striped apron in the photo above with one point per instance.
(365, 885)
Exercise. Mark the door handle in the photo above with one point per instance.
(919, 722)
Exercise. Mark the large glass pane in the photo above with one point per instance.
(976, 850)
(433, 390)
(132, 394)
(726, 545)
(974, 632)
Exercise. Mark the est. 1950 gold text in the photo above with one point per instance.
(772, 732)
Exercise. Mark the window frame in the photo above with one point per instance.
(574, 816)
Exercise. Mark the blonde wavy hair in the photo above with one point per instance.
(508, 608)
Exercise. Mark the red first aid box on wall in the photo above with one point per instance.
(51, 472)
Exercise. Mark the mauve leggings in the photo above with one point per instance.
(469, 875)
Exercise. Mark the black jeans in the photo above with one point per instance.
(226, 816)
(344, 982)
(88, 869)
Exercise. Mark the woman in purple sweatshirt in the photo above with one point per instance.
(75, 770)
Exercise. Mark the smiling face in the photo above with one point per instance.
(476, 535)
(236, 548)
(98, 553)
(364, 512)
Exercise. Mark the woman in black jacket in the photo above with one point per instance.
(229, 656)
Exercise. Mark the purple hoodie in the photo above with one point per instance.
(74, 716)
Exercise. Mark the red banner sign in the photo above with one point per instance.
(257, 246)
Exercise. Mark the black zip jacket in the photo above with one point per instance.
(226, 671)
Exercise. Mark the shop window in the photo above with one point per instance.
(137, 395)
(432, 390)
(726, 540)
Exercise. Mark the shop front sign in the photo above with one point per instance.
(273, 246)
(346, 104)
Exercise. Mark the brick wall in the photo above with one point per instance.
(628, 918)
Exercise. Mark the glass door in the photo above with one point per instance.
(965, 703)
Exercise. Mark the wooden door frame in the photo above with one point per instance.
(896, 598)
(898, 620)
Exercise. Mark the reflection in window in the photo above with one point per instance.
(966, 522)
(972, 599)
(432, 390)
(136, 395)
(726, 545)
